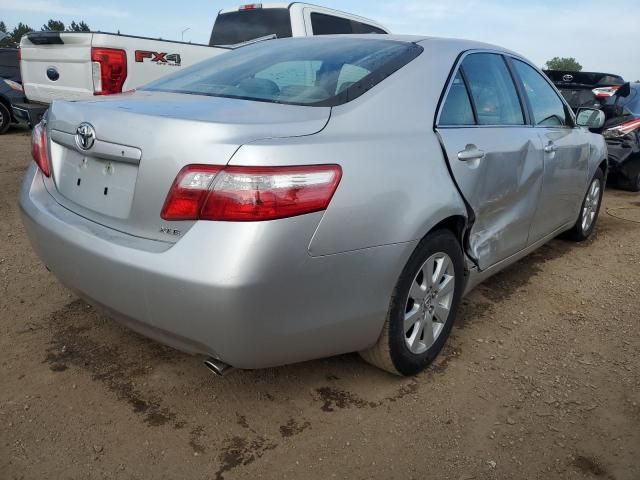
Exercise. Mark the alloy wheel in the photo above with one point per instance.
(591, 204)
(429, 302)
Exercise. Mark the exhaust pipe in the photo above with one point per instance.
(218, 367)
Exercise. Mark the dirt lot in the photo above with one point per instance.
(540, 380)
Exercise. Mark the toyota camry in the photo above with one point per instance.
(302, 198)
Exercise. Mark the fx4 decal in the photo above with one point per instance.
(160, 58)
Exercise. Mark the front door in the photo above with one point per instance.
(565, 151)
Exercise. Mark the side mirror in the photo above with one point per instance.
(590, 118)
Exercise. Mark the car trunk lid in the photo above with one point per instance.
(142, 140)
(577, 87)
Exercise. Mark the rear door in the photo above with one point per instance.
(566, 152)
(56, 66)
(494, 155)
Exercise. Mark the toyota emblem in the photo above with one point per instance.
(85, 136)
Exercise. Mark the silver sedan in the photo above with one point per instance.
(302, 198)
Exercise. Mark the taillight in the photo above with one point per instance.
(189, 192)
(250, 6)
(606, 92)
(39, 150)
(109, 68)
(250, 194)
(622, 130)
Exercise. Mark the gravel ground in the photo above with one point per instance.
(540, 380)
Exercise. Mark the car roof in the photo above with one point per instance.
(460, 44)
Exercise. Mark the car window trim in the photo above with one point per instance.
(568, 112)
(525, 105)
(457, 66)
(472, 101)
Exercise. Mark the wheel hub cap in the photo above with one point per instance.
(591, 204)
(429, 302)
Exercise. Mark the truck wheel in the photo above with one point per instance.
(423, 307)
(586, 223)
(5, 118)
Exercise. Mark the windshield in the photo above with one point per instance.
(305, 71)
(244, 25)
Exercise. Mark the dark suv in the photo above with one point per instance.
(620, 102)
(584, 89)
(10, 86)
(622, 132)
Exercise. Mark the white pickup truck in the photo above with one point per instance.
(69, 66)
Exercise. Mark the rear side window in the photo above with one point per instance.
(457, 108)
(547, 108)
(492, 89)
(244, 25)
(329, 25)
(359, 27)
(323, 24)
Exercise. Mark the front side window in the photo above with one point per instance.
(547, 108)
(457, 108)
(492, 89)
(304, 71)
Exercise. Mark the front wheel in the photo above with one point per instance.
(586, 223)
(423, 307)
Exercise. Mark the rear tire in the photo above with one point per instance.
(423, 307)
(589, 211)
(634, 183)
(5, 118)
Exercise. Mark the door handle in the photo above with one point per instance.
(551, 148)
(471, 152)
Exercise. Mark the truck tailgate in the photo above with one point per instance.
(57, 66)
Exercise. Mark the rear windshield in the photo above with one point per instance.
(244, 25)
(305, 71)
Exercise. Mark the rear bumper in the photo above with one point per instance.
(30, 113)
(247, 294)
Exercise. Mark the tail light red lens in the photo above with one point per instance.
(109, 66)
(250, 194)
(189, 191)
(622, 130)
(606, 92)
(39, 150)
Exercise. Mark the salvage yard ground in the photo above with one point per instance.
(540, 380)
